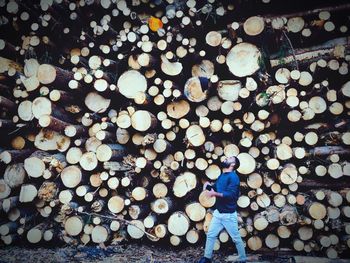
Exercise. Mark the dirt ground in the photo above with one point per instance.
(118, 254)
(137, 253)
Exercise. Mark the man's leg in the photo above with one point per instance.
(214, 229)
(231, 225)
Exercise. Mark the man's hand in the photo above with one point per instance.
(205, 185)
(212, 193)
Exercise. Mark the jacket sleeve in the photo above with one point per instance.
(232, 189)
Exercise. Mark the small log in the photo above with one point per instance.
(192, 236)
(48, 140)
(88, 161)
(195, 135)
(205, 200)
(242, 60)
(14, 175)
(8, 228)
(73, 225)
(139, 193)
(272, 241)
(288, 215)
(260, 222)
(229, 89)
(184, 183)
(35, 234)
(247, 163)
(136, 229)
(9, 156)
(28, 193)
(48, 191)
(315, 209)
(25, 110)
(143, 121)
(110, 152)
(195, 211)
(254, 243)
(160, 230)
(254, 25)
(116, 204)
(289, 174)
(71, 176)
(178, 109)
(48, 74)
(150, 220)
(196, 89)
(178, 223)
(96, 103)
(131, 76)
(170, 68)
(100, 234)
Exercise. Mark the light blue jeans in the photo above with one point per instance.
(230, 223)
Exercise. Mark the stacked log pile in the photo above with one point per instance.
(115, 113)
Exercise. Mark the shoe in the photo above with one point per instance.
(204, 260)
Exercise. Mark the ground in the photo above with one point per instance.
(117, 254)
(136, 253)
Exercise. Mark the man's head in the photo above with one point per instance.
(230, 163)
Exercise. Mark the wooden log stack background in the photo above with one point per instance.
(114, 114)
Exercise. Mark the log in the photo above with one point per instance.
(9, 156)
(96, 103)
(161, 205)
(48, 140)
(196, 89)
(242, 60)
(143, 121)
(316, 210)
(73, 225)
(110, 152)
(195, 211)
(254, 243)
(28, 193)
(178, 223)
(100, 234)
(272, 241)
(229, 89)
(170, 68)
(138, 80)
(14, 175)
(136, 229)
(195, 135)
(184, 183)
(71, 176)
(116, 204)
(247, 163)
(48, 74)
(35, 234)
(260, 222)
(178, 109)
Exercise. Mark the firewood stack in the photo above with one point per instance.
(114, 114)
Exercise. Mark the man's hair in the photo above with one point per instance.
(230, 160)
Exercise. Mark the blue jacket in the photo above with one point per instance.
(228, 185)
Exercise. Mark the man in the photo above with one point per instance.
(226, 191)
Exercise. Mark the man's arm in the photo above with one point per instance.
(231, 190)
